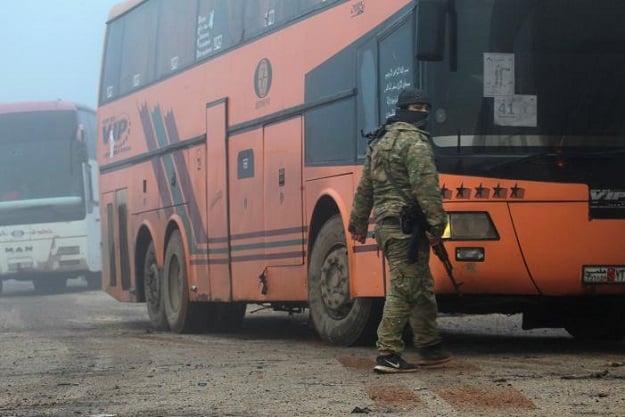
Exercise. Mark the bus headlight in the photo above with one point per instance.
(470, 226)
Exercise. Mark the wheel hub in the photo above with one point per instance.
(334, 283)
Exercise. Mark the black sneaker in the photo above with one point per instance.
(433, 355)
(393, 364)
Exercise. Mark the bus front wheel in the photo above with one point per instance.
(181, 313)
(153, 290)
(337, 318)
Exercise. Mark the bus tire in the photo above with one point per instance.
(219, 317)
(181, 313)
(153, 290)
(601, 329)
(94, 280)
(337, 318)
(50, 284)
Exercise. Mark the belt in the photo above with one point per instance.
(388, 221)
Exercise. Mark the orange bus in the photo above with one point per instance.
(230, 148)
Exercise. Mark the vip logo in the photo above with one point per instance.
(115, 131)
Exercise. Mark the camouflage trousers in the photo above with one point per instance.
(410, 298)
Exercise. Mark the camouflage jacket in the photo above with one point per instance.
(407, 154)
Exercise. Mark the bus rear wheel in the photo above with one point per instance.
(337, 318)
(222, 317)
(596, 328)
(49, 284)
(153, 290)
(180, 312)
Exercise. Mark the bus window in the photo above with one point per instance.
(137, 68)
(176, 36)
(396, 67)
(308, 5)
(367, 89)
(219, 26)
(88, 121)
(112, 60)
(263, 15)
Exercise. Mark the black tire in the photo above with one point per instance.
(94, 280)
(221, 317)
(153, 290)
(50, 284)
(182, 315)
(600, 329)
(337, 318)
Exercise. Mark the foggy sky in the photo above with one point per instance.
(51, 49)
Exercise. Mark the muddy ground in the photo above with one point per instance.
(81, 353)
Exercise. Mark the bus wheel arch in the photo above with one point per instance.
(337, 318)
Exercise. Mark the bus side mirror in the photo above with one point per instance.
(431, 21)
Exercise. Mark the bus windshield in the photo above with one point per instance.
(40, 163)
(526, 75)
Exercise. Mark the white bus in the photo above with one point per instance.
(49, 214)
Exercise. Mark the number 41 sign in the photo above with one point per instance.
(516, 110)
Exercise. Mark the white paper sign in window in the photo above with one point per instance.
(498, 74)
(519, 110)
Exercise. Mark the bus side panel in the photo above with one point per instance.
(216, 203)
(247, 216)
(558, 239)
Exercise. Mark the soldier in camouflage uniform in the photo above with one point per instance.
(404, 154)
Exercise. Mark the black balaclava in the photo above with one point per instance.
(417, 118)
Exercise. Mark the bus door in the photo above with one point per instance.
(115, 244)
(217, 202)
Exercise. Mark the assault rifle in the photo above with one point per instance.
(413, 222)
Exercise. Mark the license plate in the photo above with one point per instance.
(603, 274)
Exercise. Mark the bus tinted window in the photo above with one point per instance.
(176, 36)
(396, 67)
(137, 58)
(308, 5)
(219, 26)
(112, 60)
(263, 15)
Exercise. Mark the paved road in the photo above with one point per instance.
(81, 353)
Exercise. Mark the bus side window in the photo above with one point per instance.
(219, 26)
(396, 66)
(264, 15)
(137, 66)
(112, 61)
(176, 37)
(367, 90)
(309, 5)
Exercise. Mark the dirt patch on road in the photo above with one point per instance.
(476, 398)
(394, 396)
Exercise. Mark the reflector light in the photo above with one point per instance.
(470, 254)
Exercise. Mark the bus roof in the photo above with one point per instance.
(123, 7)
(37, 106)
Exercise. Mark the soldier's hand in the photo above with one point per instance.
(359, 238)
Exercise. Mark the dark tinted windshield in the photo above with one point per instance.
(39, 159)
(533, 73)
